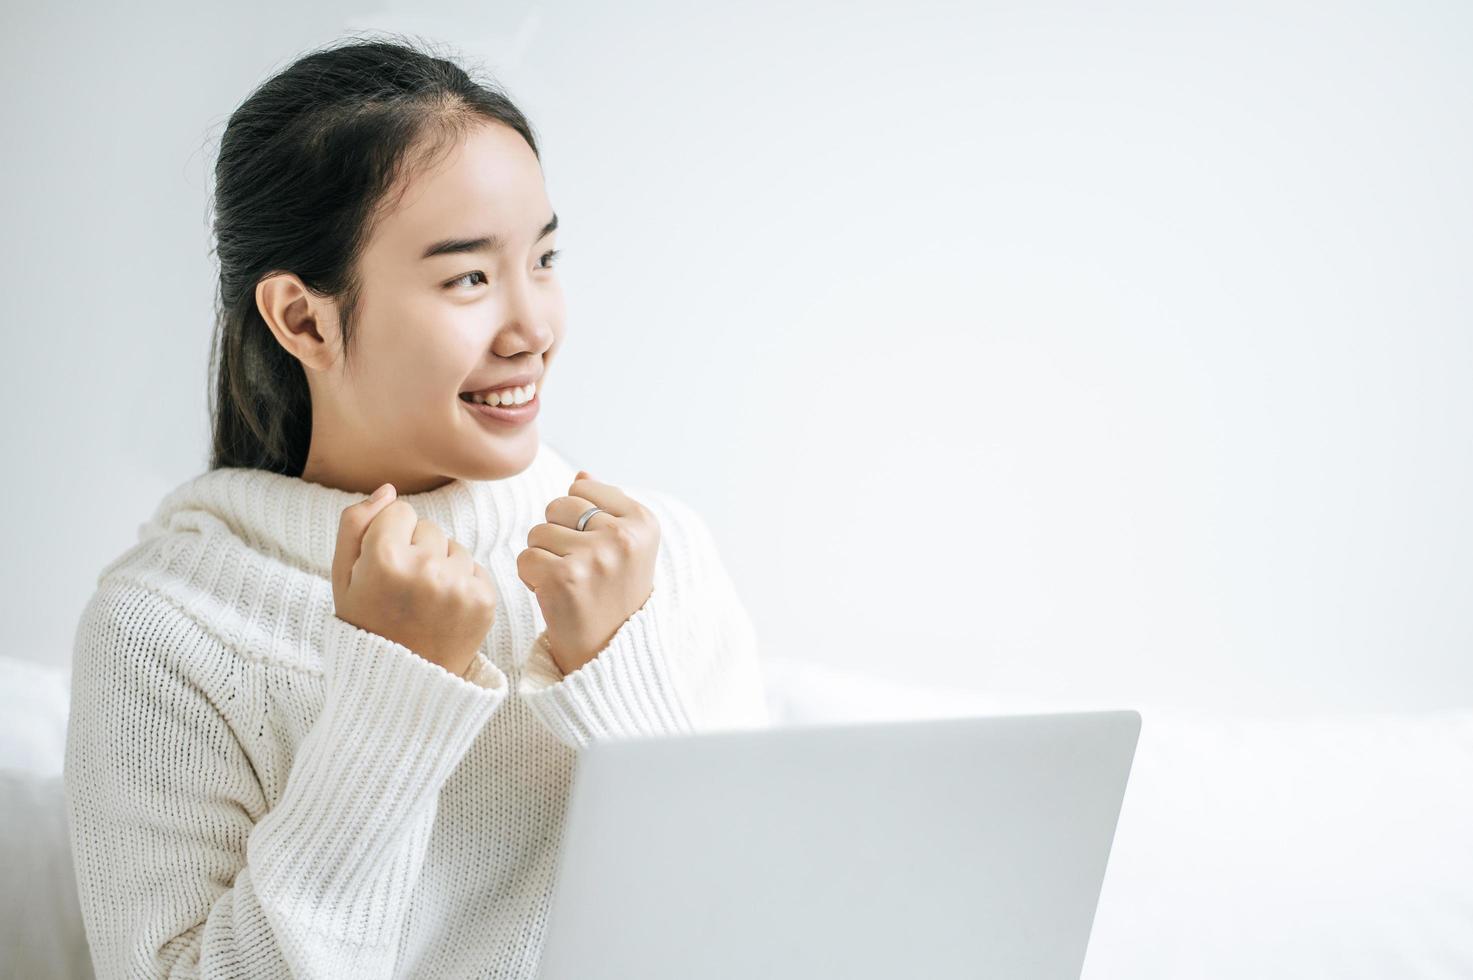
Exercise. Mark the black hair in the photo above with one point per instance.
(305, 168)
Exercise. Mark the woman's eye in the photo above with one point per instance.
(463, 278)
(546, 257)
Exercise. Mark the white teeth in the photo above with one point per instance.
(508, 396)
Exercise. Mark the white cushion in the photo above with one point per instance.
(34, 699)
(40, 916)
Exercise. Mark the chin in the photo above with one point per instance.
(510, 456)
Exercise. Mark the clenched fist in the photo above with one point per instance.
(401, 578)
(589, 582)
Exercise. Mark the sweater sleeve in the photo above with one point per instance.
(685, 661)
(182, 870)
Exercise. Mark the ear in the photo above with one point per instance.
(302, 322)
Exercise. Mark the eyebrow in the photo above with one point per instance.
(486, 243)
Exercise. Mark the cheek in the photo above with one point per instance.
(430, 367)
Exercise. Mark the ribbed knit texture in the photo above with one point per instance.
(257, 788)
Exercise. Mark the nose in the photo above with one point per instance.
(526, 316)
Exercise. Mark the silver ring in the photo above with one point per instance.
(587, 515)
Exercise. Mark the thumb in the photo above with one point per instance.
(351, 527)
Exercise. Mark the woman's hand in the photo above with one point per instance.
(589, 582)
(401, 578)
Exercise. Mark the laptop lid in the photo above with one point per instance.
(955, 847)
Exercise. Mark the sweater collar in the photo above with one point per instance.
(297, 521)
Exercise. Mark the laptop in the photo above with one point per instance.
(952, 847)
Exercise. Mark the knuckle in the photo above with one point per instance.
(382, 555)
(487, 592)
(436, 575)
(396, 566)
(624, 538)
(466, 589)
(605, 561)
(573, 575)
(428, 568)
(647, 519)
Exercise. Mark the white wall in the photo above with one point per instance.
(1171, 303)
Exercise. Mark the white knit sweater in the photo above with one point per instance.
(257, 788)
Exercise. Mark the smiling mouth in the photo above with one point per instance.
(504, 415)
(527, 393)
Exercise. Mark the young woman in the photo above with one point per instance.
(319, 731)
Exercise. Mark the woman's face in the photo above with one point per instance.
(469, 315)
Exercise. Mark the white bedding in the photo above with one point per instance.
(1252, 847)
(1247, 848)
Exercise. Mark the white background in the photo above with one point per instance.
(1118, 353)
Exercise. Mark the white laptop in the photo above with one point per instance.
(955, 847)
